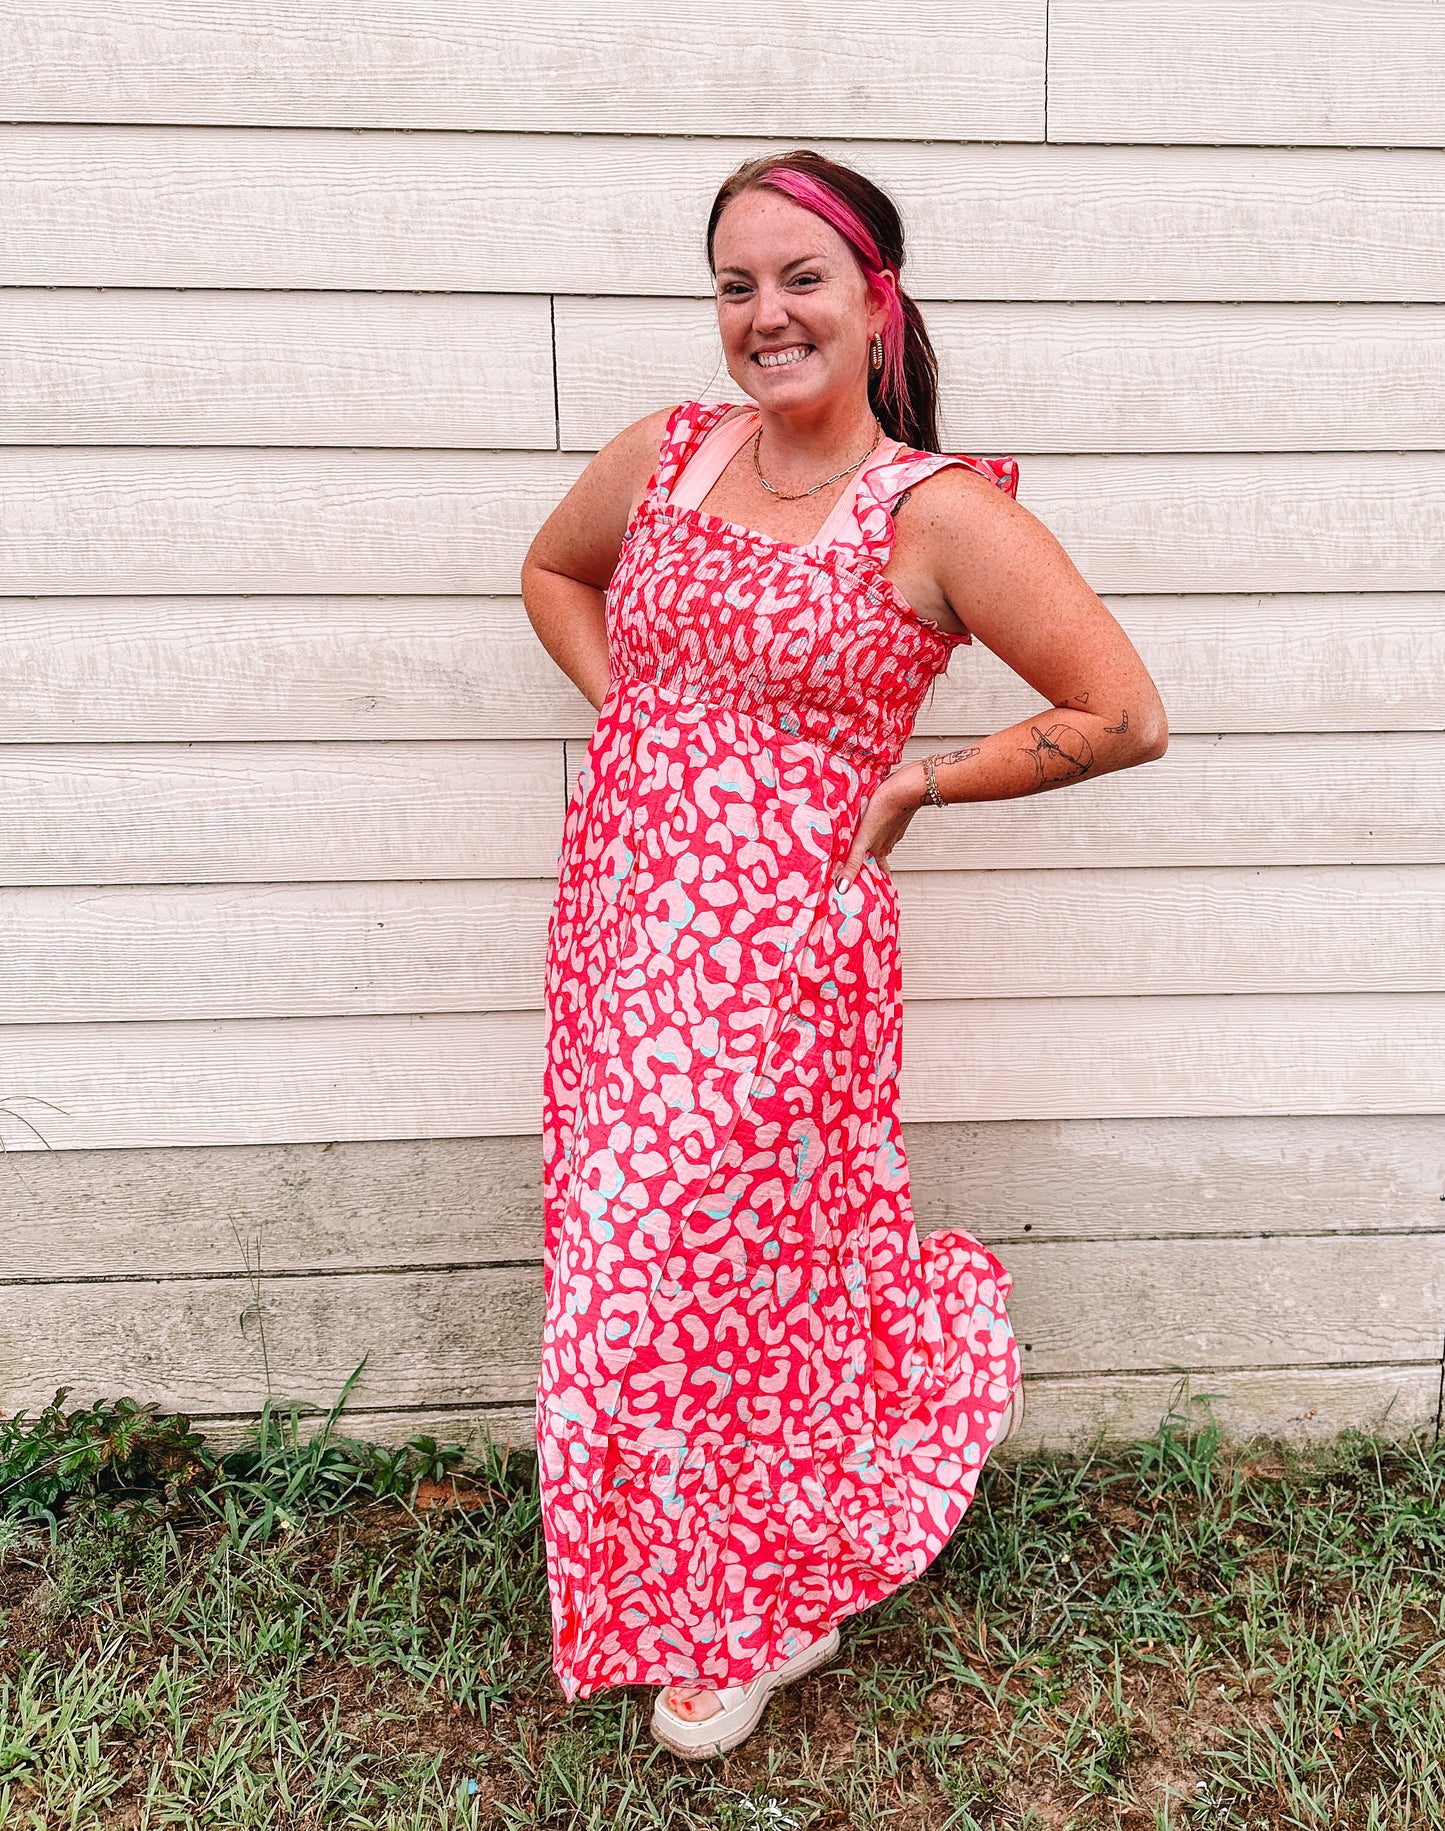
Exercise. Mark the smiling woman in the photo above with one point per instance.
(764, 1403)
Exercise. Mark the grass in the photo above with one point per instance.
(1180, 1634)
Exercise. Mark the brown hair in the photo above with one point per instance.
(904, 392)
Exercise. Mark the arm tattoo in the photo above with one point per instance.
(1113, 730)
(1060, 754)
(957, 756)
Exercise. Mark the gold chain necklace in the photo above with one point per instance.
(784, 496)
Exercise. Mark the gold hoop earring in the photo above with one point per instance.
(875, 352)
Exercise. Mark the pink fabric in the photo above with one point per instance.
(694, 483)
(763, 1403)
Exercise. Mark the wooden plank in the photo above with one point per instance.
(1113, 1057)
(248, 813)
(195, 668)
(1299, 1405)
(1222, 801)
(294, 207)
(272, 950)
(1297, 72)
(1087, 1179)
(269, 1080)
(94, 367)
(243, 1080)
(411, 1203)
(1296, 1405)
(1054, 377)
(666, 67)
(996, 934)
(286, 813)
(196, 1345)
(1275, 522)
(388, 1204)
(188, 668)
(472, 1335)
(126, 520)
(101, 954)
(1336, 661)
(1172, 1305)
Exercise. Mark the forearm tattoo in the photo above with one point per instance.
(1060, 754)
(957, 756)
(1123, 725)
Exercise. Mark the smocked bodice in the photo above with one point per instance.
(815, 643)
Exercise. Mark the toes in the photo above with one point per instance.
(694, 1705)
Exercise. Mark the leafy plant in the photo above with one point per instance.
(112, 1448)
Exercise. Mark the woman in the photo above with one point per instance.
(763, 1403)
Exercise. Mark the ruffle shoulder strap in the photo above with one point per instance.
(687, 426)
(884, 484)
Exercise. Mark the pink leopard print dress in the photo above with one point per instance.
(763, 1403)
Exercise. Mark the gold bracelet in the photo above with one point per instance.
(931, 794)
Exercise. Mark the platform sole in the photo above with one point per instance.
(716, 1734)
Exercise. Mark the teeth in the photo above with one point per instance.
(774, 359)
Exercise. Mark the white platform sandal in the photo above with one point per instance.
(739, 1706)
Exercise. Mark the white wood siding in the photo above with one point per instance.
(1022, 378)
(666, 66)
(375, 211)
(1301, 72)
(310, 313)
(284, 666)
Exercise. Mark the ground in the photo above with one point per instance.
(1177, 1633)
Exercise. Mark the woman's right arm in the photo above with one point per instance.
(571, 561)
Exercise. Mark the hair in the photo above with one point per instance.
(904, 392)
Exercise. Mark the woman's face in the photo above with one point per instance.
(792, 305)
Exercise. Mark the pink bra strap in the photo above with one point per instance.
(842, 529)
(721, 444)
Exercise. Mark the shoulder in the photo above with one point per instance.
(647, 445)
(635, 449)
(953, 496)
(954, 476)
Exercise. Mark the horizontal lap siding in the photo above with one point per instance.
(147, 366)
(233, 812)
(112, 1086)
(1298, 72)
(87, 366)
(1269, 1306)
(291, 207)
(281, 404)
(340, 1206)
(926, 72)
(283, 667)
(139, 520)
(1071, 376)
(97, 954)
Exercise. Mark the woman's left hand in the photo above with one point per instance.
(884, 822)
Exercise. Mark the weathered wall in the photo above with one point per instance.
(311, 312)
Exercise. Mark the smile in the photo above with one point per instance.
(776, 359)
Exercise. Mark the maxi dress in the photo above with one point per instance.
(763, 1403)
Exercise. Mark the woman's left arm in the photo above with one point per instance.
(1015, 589)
